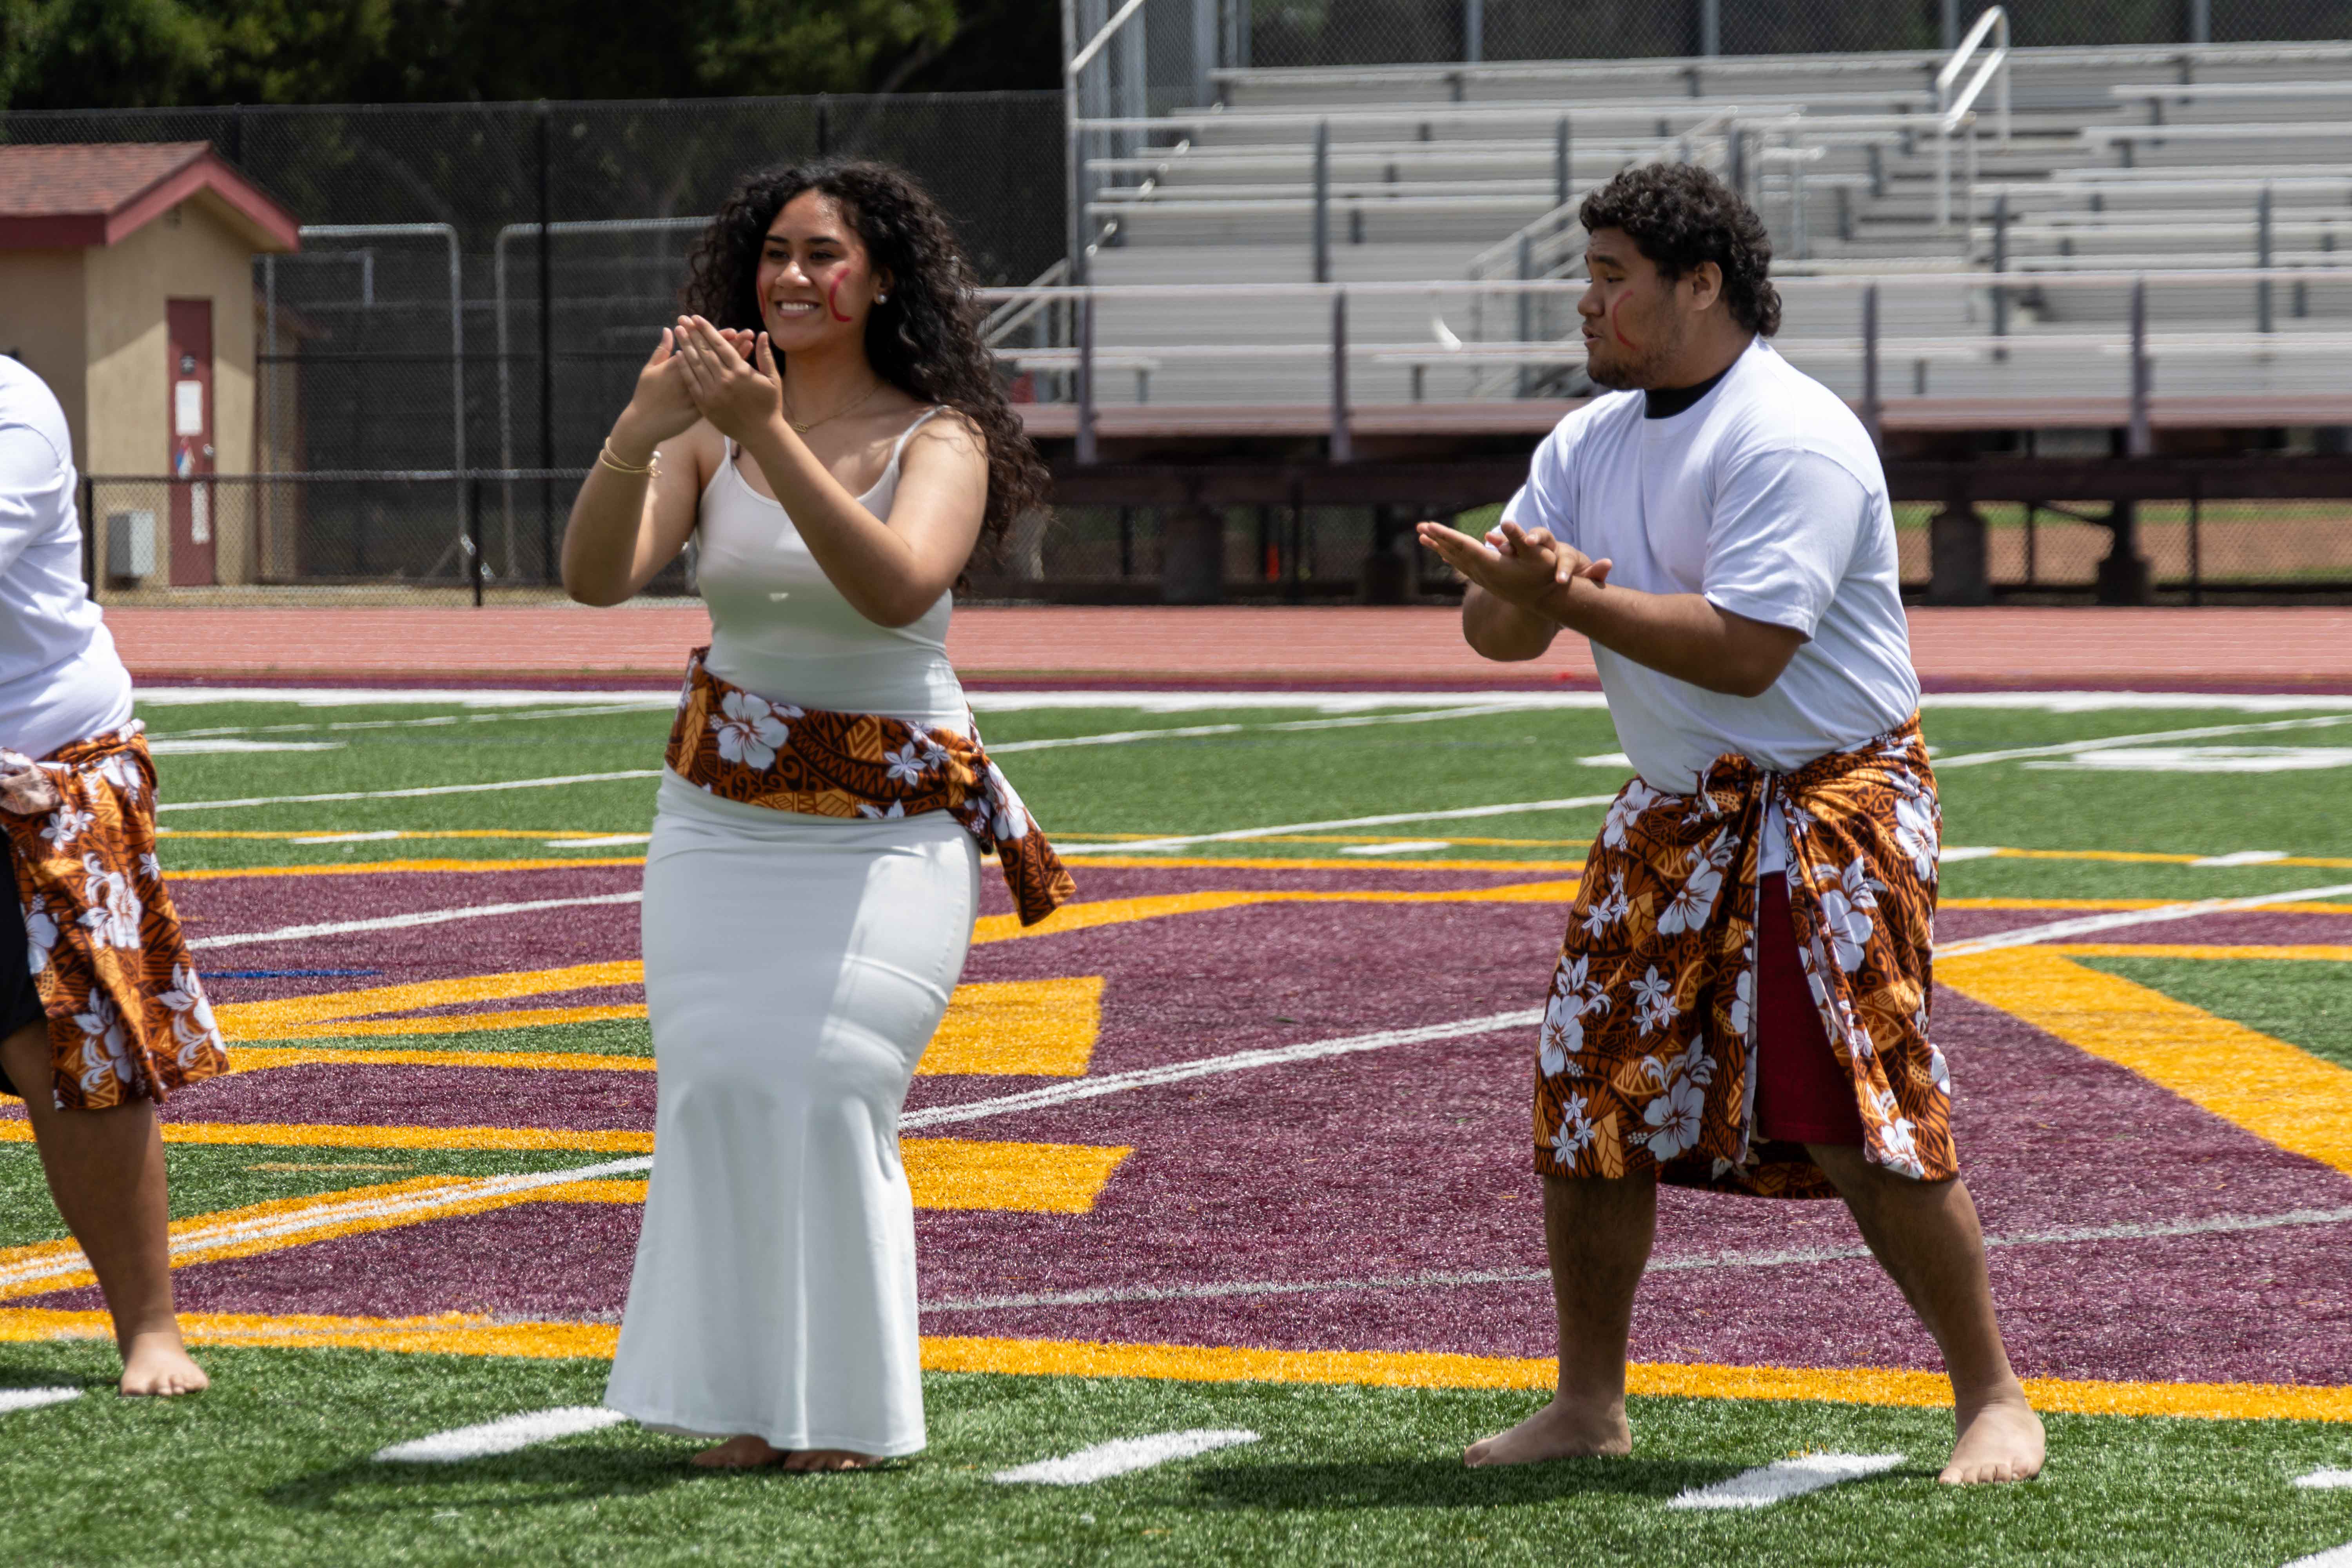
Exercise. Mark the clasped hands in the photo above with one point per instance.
(699, 371)
(1524, 567)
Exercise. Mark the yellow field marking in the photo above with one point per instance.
(1304, 863)
(2287, 905)
(364, 868)
(2321, 953)
(1043, 1027)
(307, 1017)
(1037, 1178)
(456, 1333)
(329, 1135)
(2151, 858)
(2273, 1090)
(260, 1058)
(1122, 912)
(282, 834)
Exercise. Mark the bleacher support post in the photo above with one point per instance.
(1563, 173)
(1871, 407)
(2140, 441)
(2263, 259)
(1999, 263)
(1343, 444)
(1955, 552)
(1524, 327)
(1322, 219)
(1086, 436)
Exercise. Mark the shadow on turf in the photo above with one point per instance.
(37, 1375)
(1445, 1482)
(519, 1481)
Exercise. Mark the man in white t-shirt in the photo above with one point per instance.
(101, 1014)
(1742, 999)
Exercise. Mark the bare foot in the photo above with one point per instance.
(155, 1362)
(2000, 1442)
(826, 1459)
(743, 1453)
(1558, 1431)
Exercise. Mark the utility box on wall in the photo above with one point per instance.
(130, 547)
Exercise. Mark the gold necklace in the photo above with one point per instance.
(804, 429)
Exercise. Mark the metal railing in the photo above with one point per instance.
(1953, 109)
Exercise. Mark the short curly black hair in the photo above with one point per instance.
(1679, 215)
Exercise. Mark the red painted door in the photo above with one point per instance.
(188, 327)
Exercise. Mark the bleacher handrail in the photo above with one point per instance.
(1954, 110)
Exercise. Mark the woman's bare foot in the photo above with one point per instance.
(744, 1453)
(826, 1459)
(2000, 1441)
(1558, 1431)
(155, 1362)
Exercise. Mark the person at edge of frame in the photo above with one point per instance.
(105, 1016)
(1741, 1000)
(827, 424)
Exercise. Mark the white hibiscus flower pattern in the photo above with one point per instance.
(112, 912)
(192, 1016)
(1847, 897)
(40, 933)
(752, 730)
(1625, 810)
(1574, 997)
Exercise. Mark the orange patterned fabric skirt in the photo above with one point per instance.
(1646, 1058)
(741, 746)
(128, 1017)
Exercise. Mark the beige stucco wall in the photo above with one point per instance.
(187, 254)
(41, 321)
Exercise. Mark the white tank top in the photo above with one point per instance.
(781, 629)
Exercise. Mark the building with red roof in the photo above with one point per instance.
(126, 281)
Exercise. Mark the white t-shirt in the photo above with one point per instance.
(1765, 496)
(60, 680)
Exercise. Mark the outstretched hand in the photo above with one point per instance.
(1524, 567)
(661, 407)
(731, 375)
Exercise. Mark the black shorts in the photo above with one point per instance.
(20, 1002)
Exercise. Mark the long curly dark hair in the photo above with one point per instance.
(923, 340)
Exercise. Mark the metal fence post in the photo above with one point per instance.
(2201, 21)
(2263, 259)
(1999, 263)
(1710, 27)
(1204, 49)
(546, 347)
(1951, 10)
(1086, 448)
(473, 535)
(2138, 441)
(1343, 444)
(1322, 219)
(1474, 31)
(1872, 412)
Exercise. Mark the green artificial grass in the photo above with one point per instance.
(273, 1466)
(2305, 1002)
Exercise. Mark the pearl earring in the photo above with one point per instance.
(881, 299)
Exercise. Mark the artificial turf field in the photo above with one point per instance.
(1238, 1141)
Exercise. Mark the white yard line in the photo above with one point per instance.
(430, 721)
(1193, 731)
(2026, 936)
(504, 1436)
(2072, 748)
(2210, 1226)
(1124, 1456)
(13, 1399)
(408, 794)
(405, 697)
(1785, 1478)
(1457, 814)
(285, 1227)
(2326, 1480)
(1400, 846)
(404, 923)
(2336, 1557)
(1208, 1067)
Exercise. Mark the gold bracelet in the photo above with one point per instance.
(650, 469)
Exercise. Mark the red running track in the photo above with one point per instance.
(2234, 649)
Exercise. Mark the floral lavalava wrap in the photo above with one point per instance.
(128, 1017)
(741, 746)
(1644, 1062)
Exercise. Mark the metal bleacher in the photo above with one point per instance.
(2092, 235)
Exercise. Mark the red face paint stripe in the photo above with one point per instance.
(831, 302)
(1614, 326)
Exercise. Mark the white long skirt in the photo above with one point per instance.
(795, 969)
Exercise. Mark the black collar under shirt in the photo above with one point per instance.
(1665, 402)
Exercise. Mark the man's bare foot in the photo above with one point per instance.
(1558, 1431)
(157, 1363)
(826, 1459)
(744, 1453)
(2002, 1441)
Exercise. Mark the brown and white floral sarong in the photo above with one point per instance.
(128, 1017)
(1645, 1061)
(738, 745)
